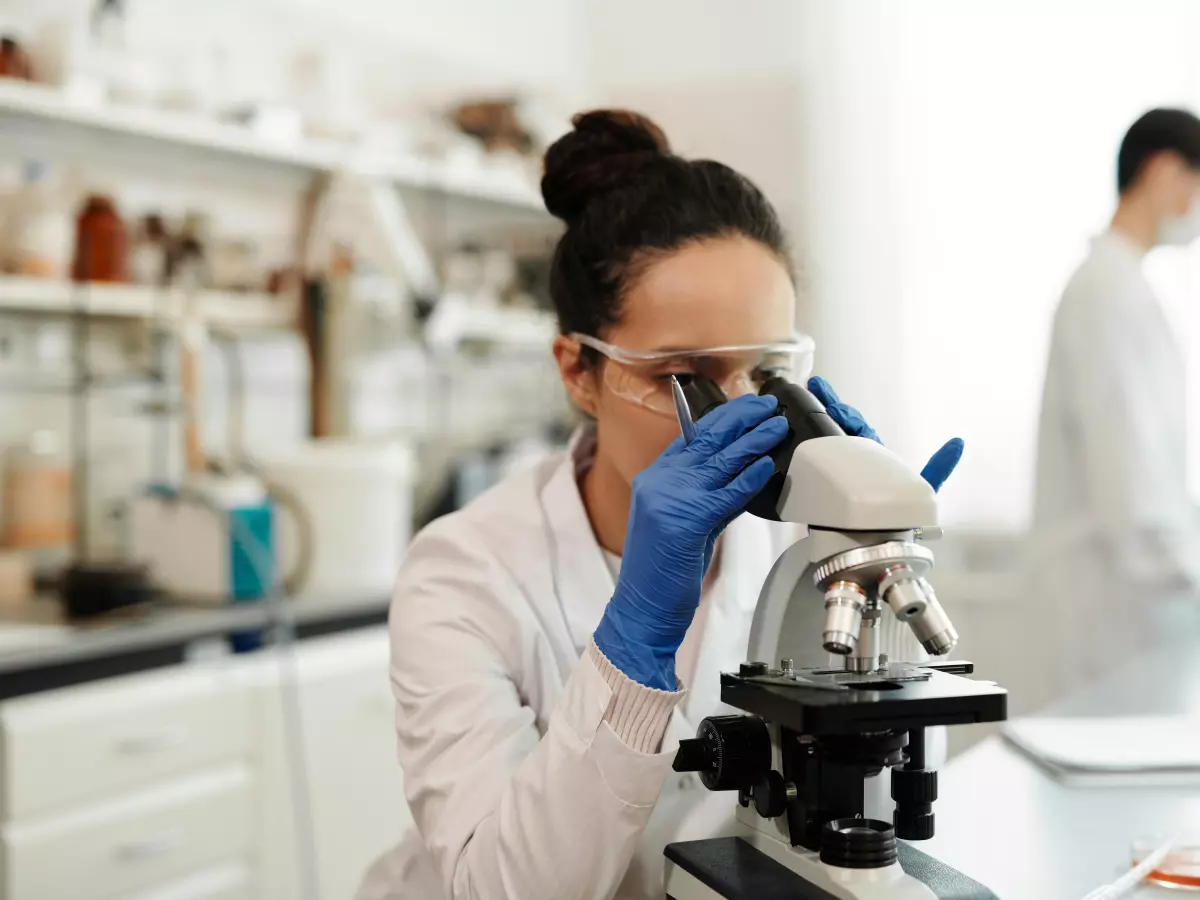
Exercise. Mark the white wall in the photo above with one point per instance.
(720, 78)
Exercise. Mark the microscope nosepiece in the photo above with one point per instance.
(844, 604)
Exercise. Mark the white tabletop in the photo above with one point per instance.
(1005, 822)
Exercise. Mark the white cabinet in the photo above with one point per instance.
(270, 776)
(95, 740)
(132, 842)
(227, 882)
(334, 695)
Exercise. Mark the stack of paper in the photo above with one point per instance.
(1142, 750)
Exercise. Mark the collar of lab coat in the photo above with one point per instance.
(1119, 245)
(584, 583)
(581, 578)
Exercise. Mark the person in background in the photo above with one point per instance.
(1116, 538)
(542, 636)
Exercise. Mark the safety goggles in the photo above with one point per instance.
(644, 376)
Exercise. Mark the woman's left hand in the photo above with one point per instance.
(936, 471)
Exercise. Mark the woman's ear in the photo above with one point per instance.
(578, 377)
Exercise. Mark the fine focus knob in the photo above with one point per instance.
(730, 752)
(858, 844)
(914, 791)
(771, 795)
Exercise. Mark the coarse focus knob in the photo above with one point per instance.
(729, 752)
(914, 791)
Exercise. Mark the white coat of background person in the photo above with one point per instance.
(1115, 547)
(538, 672)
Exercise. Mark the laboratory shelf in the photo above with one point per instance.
(228, 309)
(34, 105)
(511, 328)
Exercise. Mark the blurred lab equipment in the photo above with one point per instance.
(37, 227)
(16, 579)
(150, 254)
(194, 538)
(327, 95)
(357, 500)
(14, 61)
(100, 244)
(495, 123)
(129, 77)
(90, 589)
(473, 470)
(1142, 870)
(1172, 864)
(235, 266)
(1112, 751)
(806, 757)
(38, 518)
(188, 264)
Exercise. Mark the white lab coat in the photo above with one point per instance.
(517, 786)
(1114, 555)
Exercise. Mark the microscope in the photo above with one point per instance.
(818, 738)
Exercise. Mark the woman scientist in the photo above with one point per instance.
(554, 639)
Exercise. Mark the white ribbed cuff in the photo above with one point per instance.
(638, 714)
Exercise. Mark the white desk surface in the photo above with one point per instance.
(1005, 822)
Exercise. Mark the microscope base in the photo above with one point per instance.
(731, 869)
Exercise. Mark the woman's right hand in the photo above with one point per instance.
(680, 505)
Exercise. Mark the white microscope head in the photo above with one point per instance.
(847, 483)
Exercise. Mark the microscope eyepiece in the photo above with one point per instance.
(807, 419)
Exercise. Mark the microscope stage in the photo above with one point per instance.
(821, 701)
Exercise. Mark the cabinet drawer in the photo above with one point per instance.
(82, 743)
(227, 882)
(113, 849)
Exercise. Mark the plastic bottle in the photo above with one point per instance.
(41, 227)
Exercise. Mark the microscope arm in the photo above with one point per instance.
(787, 580)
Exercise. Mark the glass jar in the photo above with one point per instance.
(99, 242)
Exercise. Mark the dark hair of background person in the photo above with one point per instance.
(1155, 132)
(626, 200)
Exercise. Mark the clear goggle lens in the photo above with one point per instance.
(644, 377)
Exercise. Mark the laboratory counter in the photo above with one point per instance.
(1007, 822)
(40, 651)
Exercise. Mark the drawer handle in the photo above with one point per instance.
(151, 847)
(150, 742)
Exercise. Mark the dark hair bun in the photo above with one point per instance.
(605, 152)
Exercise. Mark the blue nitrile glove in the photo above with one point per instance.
(681, 503)
(936, 471)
